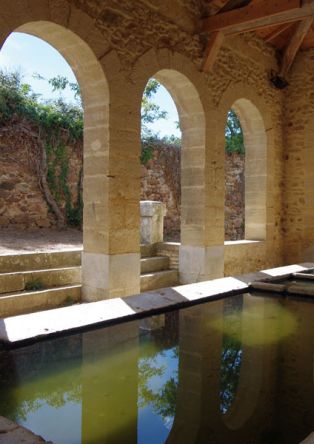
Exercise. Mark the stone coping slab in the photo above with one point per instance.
(19, 330)
(11, 433)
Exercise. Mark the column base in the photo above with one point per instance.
(198, 264)
(107, 276)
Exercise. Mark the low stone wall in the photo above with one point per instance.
(170, 249)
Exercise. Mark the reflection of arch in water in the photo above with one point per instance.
(95, 97)
(198, 415)
(251, 372)
(231, 352)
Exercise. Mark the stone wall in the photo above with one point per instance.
(234, 197)
(22, 203)
(161, 182)
(298, 161)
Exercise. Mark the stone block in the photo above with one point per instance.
(152, 221)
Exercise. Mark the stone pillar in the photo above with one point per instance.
(152, 221)
(111, 258)
(201, 254)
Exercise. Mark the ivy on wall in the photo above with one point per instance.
(54, 125)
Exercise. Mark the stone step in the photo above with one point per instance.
(12, 304)
(11, 263)
(155, 263)
(39, 279)
(159, 279)
(148, 250)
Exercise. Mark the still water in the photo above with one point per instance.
(237, 370)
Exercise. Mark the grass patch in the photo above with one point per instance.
(34, 285)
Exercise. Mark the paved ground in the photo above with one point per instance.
(16, 241)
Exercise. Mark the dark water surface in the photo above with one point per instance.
(237, 370)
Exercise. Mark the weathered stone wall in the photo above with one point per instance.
(22, 203)
(234, 197)
(161, 182)
(298, 161)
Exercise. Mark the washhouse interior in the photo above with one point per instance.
(209, 358)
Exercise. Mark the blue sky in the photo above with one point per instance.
(32, 55)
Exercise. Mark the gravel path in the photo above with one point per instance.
(17, 241)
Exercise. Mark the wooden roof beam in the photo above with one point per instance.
(294, 45)
(213, 46)
(277, 31)
(258, 15)
(216, 5)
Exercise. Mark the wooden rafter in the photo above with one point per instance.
(294, 45)
(216, 5)
(214, 44)
(258, 15)
(277, 31)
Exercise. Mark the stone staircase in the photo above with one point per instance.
(155, 271)
(37, 281)
(31, 282)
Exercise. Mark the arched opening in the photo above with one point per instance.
(95, 99)
(234, 179)
(161, 156)
(192, 125)
(41, 135)
(255, 175)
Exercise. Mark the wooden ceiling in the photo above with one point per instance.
(285, 24)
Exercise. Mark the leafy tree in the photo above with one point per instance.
(234, 134)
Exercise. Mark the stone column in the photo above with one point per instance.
(111, 259)
(202, 210)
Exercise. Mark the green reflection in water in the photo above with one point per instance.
(264, 322)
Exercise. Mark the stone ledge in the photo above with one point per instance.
(18, 330)
(11, 433)
(243, 242)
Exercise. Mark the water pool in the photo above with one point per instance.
(236, 370)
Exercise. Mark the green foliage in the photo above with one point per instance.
(18, 99)
(162, 401)
(58, 124)
(147, 153)
(150, 111)
(231, 356)
(34, 285)
(234, 134)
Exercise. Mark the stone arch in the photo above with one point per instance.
(252, 112)
(186, 85)
(95, 96)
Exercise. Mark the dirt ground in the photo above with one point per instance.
(13, 241)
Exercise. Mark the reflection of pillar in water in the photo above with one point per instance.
(198, 415)
(296, 381)
(199, 363)
(110, 385)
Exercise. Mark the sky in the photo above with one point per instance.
(31, 55)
